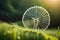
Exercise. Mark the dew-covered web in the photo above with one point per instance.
(36, 17)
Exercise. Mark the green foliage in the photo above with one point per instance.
(14, 32)
(41, 37)
(48, 39)
(19, 23)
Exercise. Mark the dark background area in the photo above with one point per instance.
(12, 10)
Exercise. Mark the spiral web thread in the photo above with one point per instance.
(34, 12)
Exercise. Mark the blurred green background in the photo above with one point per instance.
(13, 10)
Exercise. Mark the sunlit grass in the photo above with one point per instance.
(15, 32)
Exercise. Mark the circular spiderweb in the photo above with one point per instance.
(36, 17)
